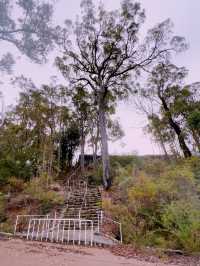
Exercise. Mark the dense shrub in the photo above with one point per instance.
(10, 167)
(125, 160)
(159, 205)
(38, 189)
(2, 208)
(15, 184)
(181, 219)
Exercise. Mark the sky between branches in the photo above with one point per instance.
(185, 16)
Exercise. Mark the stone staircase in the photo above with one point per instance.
(79, 222)
(82, 201)
(92, 205)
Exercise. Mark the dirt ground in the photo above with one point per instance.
(15, 252)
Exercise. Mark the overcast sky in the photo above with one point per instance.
(185, 15)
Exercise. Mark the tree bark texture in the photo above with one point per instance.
(104, 147)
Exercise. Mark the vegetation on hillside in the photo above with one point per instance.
(158, 203)
(41, 195)
(104, 60)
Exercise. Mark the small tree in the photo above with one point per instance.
(81, 103)
(107, 53)
(163, 89)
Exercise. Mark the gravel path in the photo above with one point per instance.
(16, 252)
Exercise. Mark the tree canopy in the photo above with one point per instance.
(105, 55)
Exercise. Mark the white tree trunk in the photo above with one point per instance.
(104, 147)
(82, 154)
(95, 146)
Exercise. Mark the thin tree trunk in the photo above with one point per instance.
(104, 147)
(164, 148)
(187, 153)
(82, 154)
(162, 143)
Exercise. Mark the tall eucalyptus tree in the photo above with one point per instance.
(105, 55)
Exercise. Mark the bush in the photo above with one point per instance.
(18, 168)
(2, 208)
(38, 189)
(94, 175)
(15, 184)
(159, 206)
(125, 160)
(194, 164)
(181, 220)
(49, 200)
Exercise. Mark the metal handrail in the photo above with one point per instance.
(55, 229)
(24, 216)
(100, 221)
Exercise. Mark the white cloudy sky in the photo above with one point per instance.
(185, 15)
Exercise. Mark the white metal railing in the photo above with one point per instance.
(76, 231)
(22, 221)
(103, 221)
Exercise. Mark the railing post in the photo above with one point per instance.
(38, 229)
(63, 231)
(120, 229)
(16, 223)
(33, 229)
(74, 232)
(43, 229)
(53, 226)
(85, 233)
(98, 225)
(29, 226)
(79, 240)
(92, 233)
(68, 231)
(58, 231)
(47, 234)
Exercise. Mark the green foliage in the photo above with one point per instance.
(194, 119)
(2, 208)
(31, 33)
(39, 134)
(38, 189)
(159, 206)
(70, 140)
(95, 175)
(49, 200)
(177, 109)
(125, 160)
(15, 184)
(10, 167)
(193, 163)
(181, 219)
(6, 226)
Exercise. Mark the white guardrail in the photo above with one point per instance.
(104, 221)
(76, 231)
(22, 221)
